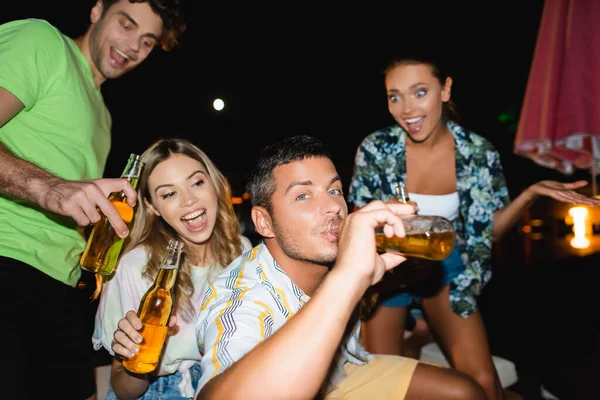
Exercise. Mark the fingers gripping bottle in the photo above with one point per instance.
(154, 312)
(104, 245)
(427, 237)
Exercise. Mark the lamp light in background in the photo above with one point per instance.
(581, 227)
(535, 229)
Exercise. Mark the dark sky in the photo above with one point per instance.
(301, 68)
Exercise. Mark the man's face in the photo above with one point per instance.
(308, 207)
(122, 37)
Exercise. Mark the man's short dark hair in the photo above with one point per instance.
(171, 14)
(260, 184)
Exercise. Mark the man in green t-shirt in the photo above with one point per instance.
(55, 136)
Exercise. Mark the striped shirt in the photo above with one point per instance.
(247, 303)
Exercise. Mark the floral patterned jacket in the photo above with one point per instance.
(380, 163)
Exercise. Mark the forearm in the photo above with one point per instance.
(505, 218)
(126, 386)
(298, 355)
(22, 179)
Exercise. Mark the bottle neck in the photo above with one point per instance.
(133, 181)
(133, 170)
(169, 266)
(404, 197)
(166, 277)
(401, 193)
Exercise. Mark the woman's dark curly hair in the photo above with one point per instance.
(171, 13)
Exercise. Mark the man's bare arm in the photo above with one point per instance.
(293, 363)
(10, 106)
(18, 177)
(80, 200)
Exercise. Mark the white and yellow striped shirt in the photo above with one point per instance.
(247, 303)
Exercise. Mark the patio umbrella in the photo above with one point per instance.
(559, 124)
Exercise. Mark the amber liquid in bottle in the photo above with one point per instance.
(427, 237)
(104, 245)
(431, 245)
(154, 312)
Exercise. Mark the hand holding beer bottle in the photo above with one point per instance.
(427, 237)
(154, 312)
(104, 245)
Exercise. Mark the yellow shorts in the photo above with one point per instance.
(384, 377)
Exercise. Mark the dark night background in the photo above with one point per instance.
(285, 69)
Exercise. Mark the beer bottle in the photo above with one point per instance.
(427, 236)
(154, 312)
(104, 245)
(402, 194)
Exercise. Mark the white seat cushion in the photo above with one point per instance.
(506, 369)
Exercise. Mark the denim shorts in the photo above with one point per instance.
(165, 387)
(452, 267)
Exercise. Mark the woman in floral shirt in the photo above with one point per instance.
(454, 173)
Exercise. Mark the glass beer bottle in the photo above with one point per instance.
(104, 245)
(154, 312)
(402, 194)
(428, 237)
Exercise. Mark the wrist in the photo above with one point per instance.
(348, 282)
(530, 194)
(41, 187)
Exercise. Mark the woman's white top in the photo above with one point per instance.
(443, 205)
(124, 291)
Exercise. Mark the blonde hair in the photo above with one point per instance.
(153, 233)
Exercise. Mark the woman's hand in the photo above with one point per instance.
(505, 218)
(126, 338)
(564, 192)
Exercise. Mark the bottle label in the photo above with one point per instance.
(125, 211)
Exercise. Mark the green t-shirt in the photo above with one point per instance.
(64, 129)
